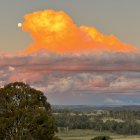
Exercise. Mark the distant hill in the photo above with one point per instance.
(86, 108)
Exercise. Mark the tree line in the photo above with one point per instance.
(82, 121)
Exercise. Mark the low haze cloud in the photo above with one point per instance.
(76, 76)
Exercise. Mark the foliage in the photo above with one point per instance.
(120, 122)
(25, 114)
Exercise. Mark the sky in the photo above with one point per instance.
(76, 52)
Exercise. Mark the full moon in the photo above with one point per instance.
(19, 24)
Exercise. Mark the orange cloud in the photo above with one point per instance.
(106, 42)
(55, 31)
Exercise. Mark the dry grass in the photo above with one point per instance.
(88, 134)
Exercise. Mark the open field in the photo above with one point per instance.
(88, 134)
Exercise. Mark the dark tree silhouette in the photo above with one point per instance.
(102, 138)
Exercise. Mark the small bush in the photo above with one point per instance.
(102, 138)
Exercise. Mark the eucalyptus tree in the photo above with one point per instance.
(25, 114)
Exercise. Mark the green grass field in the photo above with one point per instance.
(88, 134)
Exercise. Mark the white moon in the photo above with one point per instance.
(19, 25)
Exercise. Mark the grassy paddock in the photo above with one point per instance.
(88, 134)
